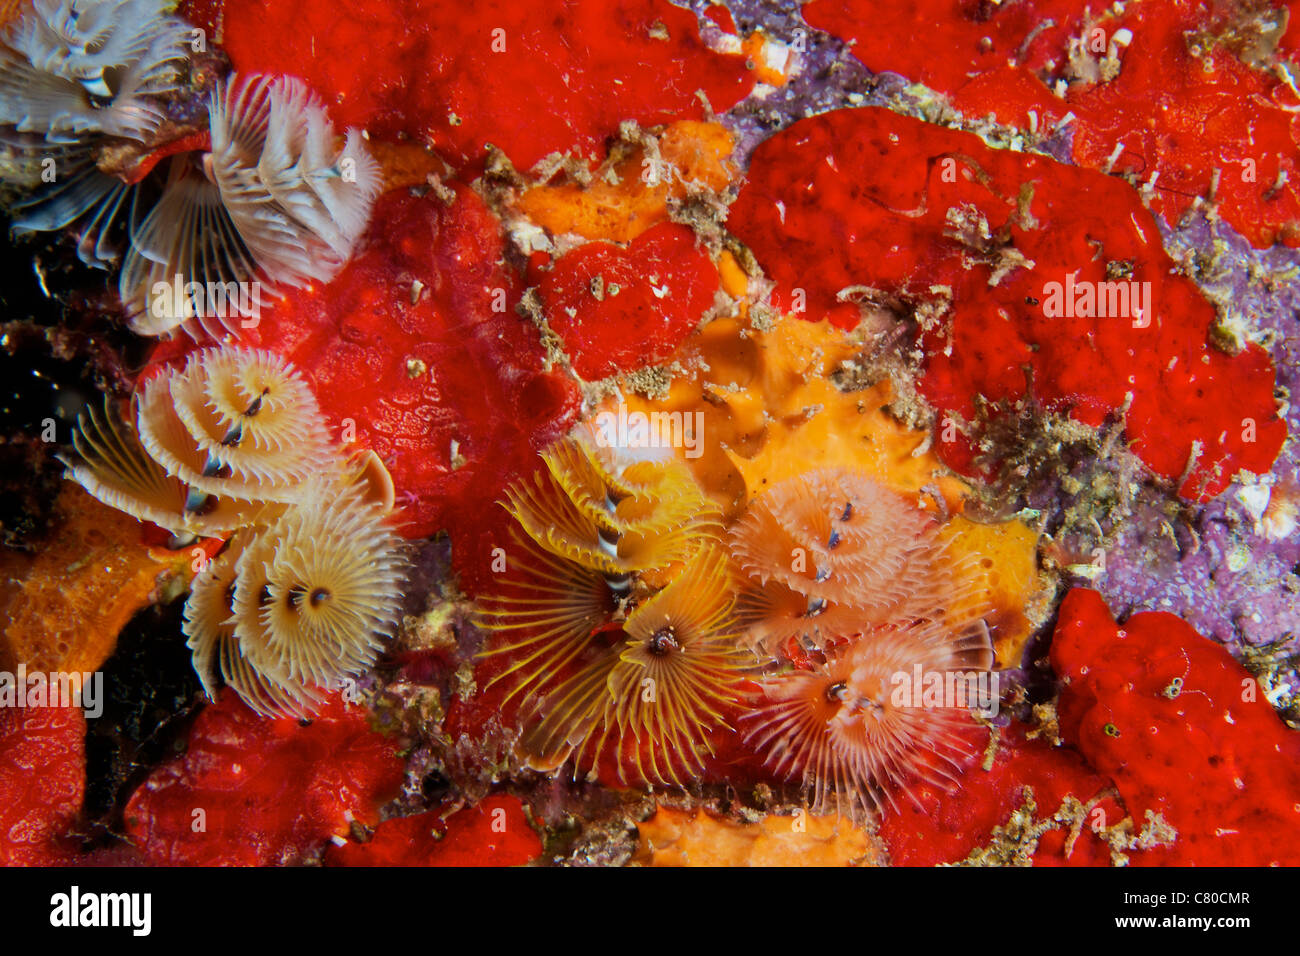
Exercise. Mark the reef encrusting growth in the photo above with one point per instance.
(642, 655)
